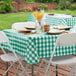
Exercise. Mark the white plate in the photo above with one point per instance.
(23, 30)
(53, 31)
(61, 27)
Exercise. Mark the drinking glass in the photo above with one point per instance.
(38, 15)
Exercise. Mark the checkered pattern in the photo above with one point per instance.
(55, 21)
(70, 21)
(33, 47)
(31, 18)
(23, 46)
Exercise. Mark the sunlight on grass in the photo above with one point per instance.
(6, 20)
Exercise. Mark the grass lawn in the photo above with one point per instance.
(63, 12)
(6, 20)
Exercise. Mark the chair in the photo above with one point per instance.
(11, 57)
(71, 21)
(74, 29)
(55, 21)
(22, 25)
(63, 40)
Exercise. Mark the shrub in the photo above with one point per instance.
(43, 6)
(72, 7)
(61, 7)
(68, 4)
(28, 9)
(7, 7)
(22, 9)
(25, 10)
(2, 10)
(64, 4)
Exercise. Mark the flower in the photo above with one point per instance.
(38, 15)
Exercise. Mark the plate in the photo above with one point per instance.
(64, 28)
(24, 30)
(73, 15)
(55, 32)
(51, 14)
(31, 27)
(29, 33)
(61, 27)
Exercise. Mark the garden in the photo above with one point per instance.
(32, 31)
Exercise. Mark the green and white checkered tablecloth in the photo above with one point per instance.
(70, 21)
(55, 21)
(36, 46)
(31, 18)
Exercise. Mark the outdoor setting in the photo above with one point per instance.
(37, 37)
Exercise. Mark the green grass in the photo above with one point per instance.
(6, 20)
(64, 12)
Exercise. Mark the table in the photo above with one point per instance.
(36, 46)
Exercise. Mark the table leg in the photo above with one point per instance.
(7, 68)
(56, 70)
(32, 74)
